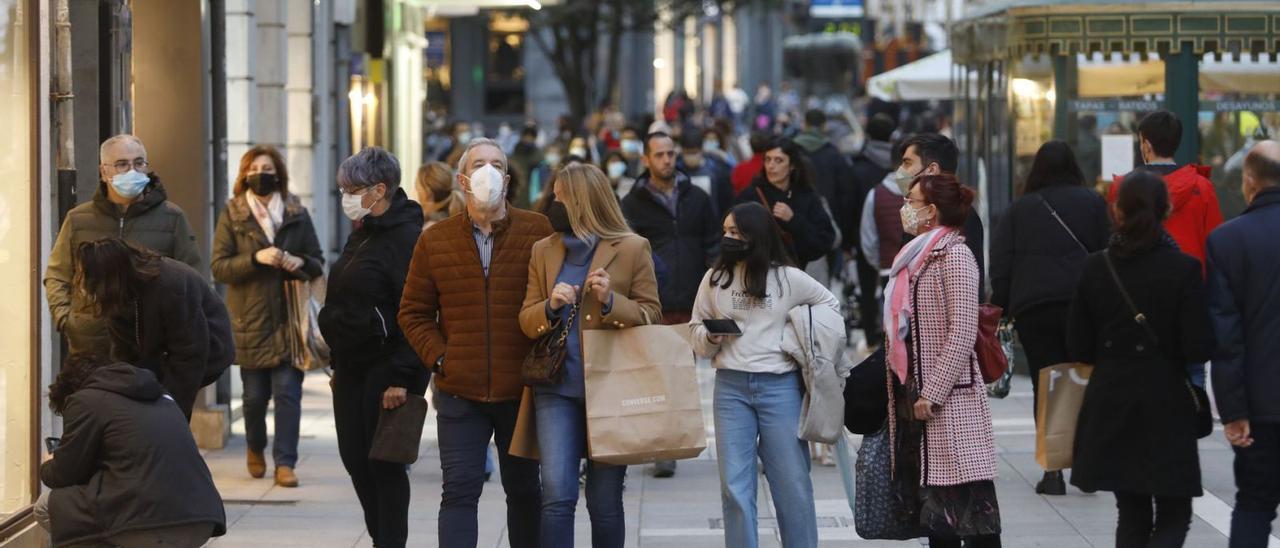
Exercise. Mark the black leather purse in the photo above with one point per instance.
(1200, 398)
(544, 364)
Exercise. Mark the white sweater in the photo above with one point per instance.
(759, 348)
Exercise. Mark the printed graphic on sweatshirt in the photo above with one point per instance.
(743, 301)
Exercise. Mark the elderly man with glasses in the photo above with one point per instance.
(130, 203)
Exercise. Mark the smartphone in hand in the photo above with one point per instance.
(51, 444)
(724, 327)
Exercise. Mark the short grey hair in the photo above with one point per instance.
(118, 140)
(477, 142)
(370, 166)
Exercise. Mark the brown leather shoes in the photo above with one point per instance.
(257, 464)
(285, 477)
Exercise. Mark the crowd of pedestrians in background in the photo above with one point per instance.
(740, 211)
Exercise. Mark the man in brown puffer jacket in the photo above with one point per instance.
(460, 313)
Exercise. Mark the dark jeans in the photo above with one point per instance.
(1141, 527)
(981, 541)
(1257, 470)
(868, 304)
(382, 487)
(465, 428)
(282, 383)
(1042, 330)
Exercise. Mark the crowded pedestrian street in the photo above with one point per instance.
(679, 512)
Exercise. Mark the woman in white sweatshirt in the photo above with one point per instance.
(758, 389)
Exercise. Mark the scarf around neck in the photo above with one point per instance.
(268, 217)
(897, 302)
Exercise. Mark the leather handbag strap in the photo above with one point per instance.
(1058, 218)
(1138, 316)
(765, 202)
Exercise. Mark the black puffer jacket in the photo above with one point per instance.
(1034, 261)
(126, 462)
(358, 320)
(869, 169)
(809, 234)
(179, 330)
(255, 292)
(684, 244)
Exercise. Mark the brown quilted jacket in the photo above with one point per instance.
(451, 309)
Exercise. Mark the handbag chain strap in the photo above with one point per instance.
(573, 313)
(1058, 218)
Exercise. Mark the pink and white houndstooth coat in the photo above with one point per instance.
(958, 445)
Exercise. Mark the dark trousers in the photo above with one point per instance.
(382, 487)
(465, 428)
(1042, 330)
(283, 384)
(1257, 470)
(868, 305)
(1142, 527)
(980, 541)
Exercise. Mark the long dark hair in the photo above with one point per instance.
(112, 272)
(72, 376)
(766, 250)
(801, 171)
(1055, 163)
(1143, 202)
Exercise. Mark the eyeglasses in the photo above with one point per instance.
(357, 191)
(122, 166)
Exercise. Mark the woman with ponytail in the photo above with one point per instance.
(939, 420)
(1136, 433)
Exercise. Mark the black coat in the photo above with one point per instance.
(127, 461)
(1137, 426)
(809, 234)
(255, 292)
(180, 331)
(868, 170)
(1244, 264)
(685, 244)
(1034, 260)
(358, 320)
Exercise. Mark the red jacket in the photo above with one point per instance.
(1195, 208)
(746, 171)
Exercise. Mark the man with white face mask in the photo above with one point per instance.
(130, 203)
(460, 312)
(935, 154)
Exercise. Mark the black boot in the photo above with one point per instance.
(1052, 484)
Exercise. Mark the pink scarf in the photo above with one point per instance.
(897, 302)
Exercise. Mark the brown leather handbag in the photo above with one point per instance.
(544, 364)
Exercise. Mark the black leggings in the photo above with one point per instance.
(980, 541)
(1141, 527)
(1042, 330)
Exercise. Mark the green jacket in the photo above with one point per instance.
(151, 221)
(255, 292)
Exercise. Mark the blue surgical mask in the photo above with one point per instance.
(130, 184)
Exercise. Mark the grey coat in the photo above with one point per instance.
(815, 339)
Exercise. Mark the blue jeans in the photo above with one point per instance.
(562, 443)
(283, 383)
(465, 428)
(759, 413)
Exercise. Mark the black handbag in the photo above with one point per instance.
(544, 364)
(1200, 398)
(866, 395)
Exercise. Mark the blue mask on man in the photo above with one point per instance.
(130, 183)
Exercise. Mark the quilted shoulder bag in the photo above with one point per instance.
(544, 364)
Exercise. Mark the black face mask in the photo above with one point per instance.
(559, 217)
(734, 250)
(262, 184)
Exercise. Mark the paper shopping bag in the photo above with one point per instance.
(641, 395)
(1061, 389)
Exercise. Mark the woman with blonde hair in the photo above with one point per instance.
(594, 273)
(439, 199)
(265, 239)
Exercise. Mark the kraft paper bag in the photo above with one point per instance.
(1061, 389)
(642, 395)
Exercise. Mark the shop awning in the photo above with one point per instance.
(922, 80)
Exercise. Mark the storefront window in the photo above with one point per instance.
(1032, 97)
(17, 362)
(1239, 100)
(504, 66)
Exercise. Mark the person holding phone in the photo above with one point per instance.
(758, 390)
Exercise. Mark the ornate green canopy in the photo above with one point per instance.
(1135, 28)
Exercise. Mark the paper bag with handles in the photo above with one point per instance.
(1061, 389)
(641, 395)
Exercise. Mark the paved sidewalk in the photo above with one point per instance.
(679, 512)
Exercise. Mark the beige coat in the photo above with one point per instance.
(629, 262)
